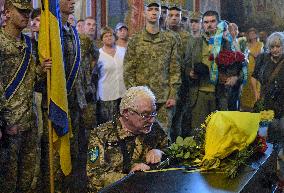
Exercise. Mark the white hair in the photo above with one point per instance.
(275, 38)
(128, 100)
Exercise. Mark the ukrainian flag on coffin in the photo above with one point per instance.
(50, 46)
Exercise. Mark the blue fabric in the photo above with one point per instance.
(21, 72)
(59, 119)
(75, 67)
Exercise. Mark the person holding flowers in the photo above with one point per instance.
(214, 71)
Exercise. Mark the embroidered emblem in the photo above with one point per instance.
(94, 154)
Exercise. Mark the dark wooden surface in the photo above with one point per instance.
(256, 178)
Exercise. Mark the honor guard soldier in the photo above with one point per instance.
(151, 59)
(174, 25)
(18, 75)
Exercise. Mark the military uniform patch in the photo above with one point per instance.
(94, 154)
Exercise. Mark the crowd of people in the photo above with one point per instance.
(131, 96)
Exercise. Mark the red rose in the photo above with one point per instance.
(240, 57)
(261, 144)
(211, 57)
(227, 57)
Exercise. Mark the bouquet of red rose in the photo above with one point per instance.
(227, 58)
(261, 145)
(229, 63)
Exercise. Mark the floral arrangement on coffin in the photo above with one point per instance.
(229, 63)
(225, 142)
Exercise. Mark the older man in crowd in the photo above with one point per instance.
(131, 142)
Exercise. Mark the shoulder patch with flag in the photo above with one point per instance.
(94, 154)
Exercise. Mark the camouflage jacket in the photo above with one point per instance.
(194, 55)
(151, 59)
(89, 58)
(76, 98)
(183, 37)
(105, 163)
(18, 110)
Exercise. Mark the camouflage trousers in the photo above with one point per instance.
(178, 120)
(76, 181)
(164, 116)
(106, 110)
(204, 105)
(19, 167)
(37, 105)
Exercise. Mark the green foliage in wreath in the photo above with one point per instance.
(185, 150)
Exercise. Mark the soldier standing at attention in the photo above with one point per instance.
(151, 59)
(164, 13)
(91, 31)
(183, 36)
(174, 24)
(79, 92)
(77, 95)
(18, 74)
(195, 24)
(129, 143)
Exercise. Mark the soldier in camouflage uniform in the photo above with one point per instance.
(195, 23)
(18, 75)
(164, 13)
(91, 31)
(89, 58)
(151, 59)
(202, 91)
(130, 143)
(79, 103)
(183, 36)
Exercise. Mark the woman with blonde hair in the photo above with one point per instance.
(254, 47)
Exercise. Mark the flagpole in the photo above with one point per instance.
(50, 130)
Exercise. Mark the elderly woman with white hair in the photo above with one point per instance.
(269, 71)
(130, 143)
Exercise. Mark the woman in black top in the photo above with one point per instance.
(269, 71)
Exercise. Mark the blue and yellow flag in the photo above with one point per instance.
(50, 46)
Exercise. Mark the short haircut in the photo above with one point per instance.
(275, 38)
(35, 13)
(80, 20)
(90, 17)
(105, 30)
(175, 8)
(211, 13)
(128, 100)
